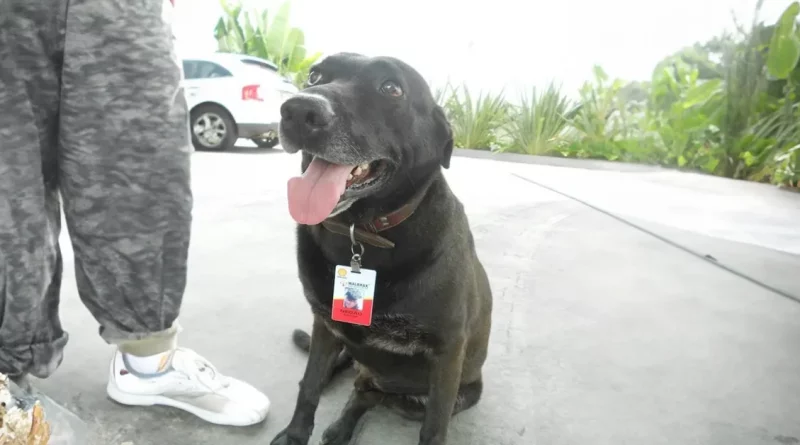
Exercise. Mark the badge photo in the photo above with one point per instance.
(353, 294)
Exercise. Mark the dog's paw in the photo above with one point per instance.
(432, 439)
(339, 433)
(283, 438)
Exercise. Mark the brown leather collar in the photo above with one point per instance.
(368, 232)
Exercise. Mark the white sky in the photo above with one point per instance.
(502, 44)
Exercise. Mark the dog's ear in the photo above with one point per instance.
(444, 135)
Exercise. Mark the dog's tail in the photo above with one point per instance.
(302, 340)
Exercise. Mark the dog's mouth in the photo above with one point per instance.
(364, 175)
(314, 195)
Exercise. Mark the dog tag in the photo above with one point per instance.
(353, 293)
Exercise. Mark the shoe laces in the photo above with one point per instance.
(205, 371)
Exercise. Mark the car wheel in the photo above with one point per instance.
(266, 142)
(213, 128)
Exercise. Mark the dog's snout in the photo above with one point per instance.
(306, 113)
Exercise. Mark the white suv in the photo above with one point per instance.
(234, 96)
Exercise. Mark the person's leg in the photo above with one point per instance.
(31, 337)
(125, 175)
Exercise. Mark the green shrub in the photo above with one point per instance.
(275, 41)
(606, 121)
(476, 123)
(538, 125)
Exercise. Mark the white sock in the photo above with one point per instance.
(152, 364)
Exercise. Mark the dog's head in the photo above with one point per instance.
(366, 127)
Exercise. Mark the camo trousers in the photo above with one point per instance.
(91, 112)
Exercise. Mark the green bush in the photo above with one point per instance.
(728, 107)
(476, 123)
(256, 36)
(539, 124)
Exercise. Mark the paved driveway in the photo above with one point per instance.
(608, 330)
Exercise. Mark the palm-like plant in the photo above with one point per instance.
(535, 127)
(256, 36)
(475, 121)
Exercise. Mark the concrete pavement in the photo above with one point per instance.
(603, 333)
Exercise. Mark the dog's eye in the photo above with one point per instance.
(314, 77)
(391, 89)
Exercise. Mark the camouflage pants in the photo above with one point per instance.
(91, 112)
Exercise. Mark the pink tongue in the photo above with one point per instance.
(313, 196)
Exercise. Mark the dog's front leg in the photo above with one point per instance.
(325, 349)
(445, 380)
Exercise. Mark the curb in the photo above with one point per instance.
(587, 164)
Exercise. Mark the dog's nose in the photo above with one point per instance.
(306, 114)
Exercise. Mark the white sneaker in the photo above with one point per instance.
(191, 384)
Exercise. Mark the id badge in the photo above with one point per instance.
(353, 293)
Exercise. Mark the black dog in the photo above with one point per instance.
(374, 143)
